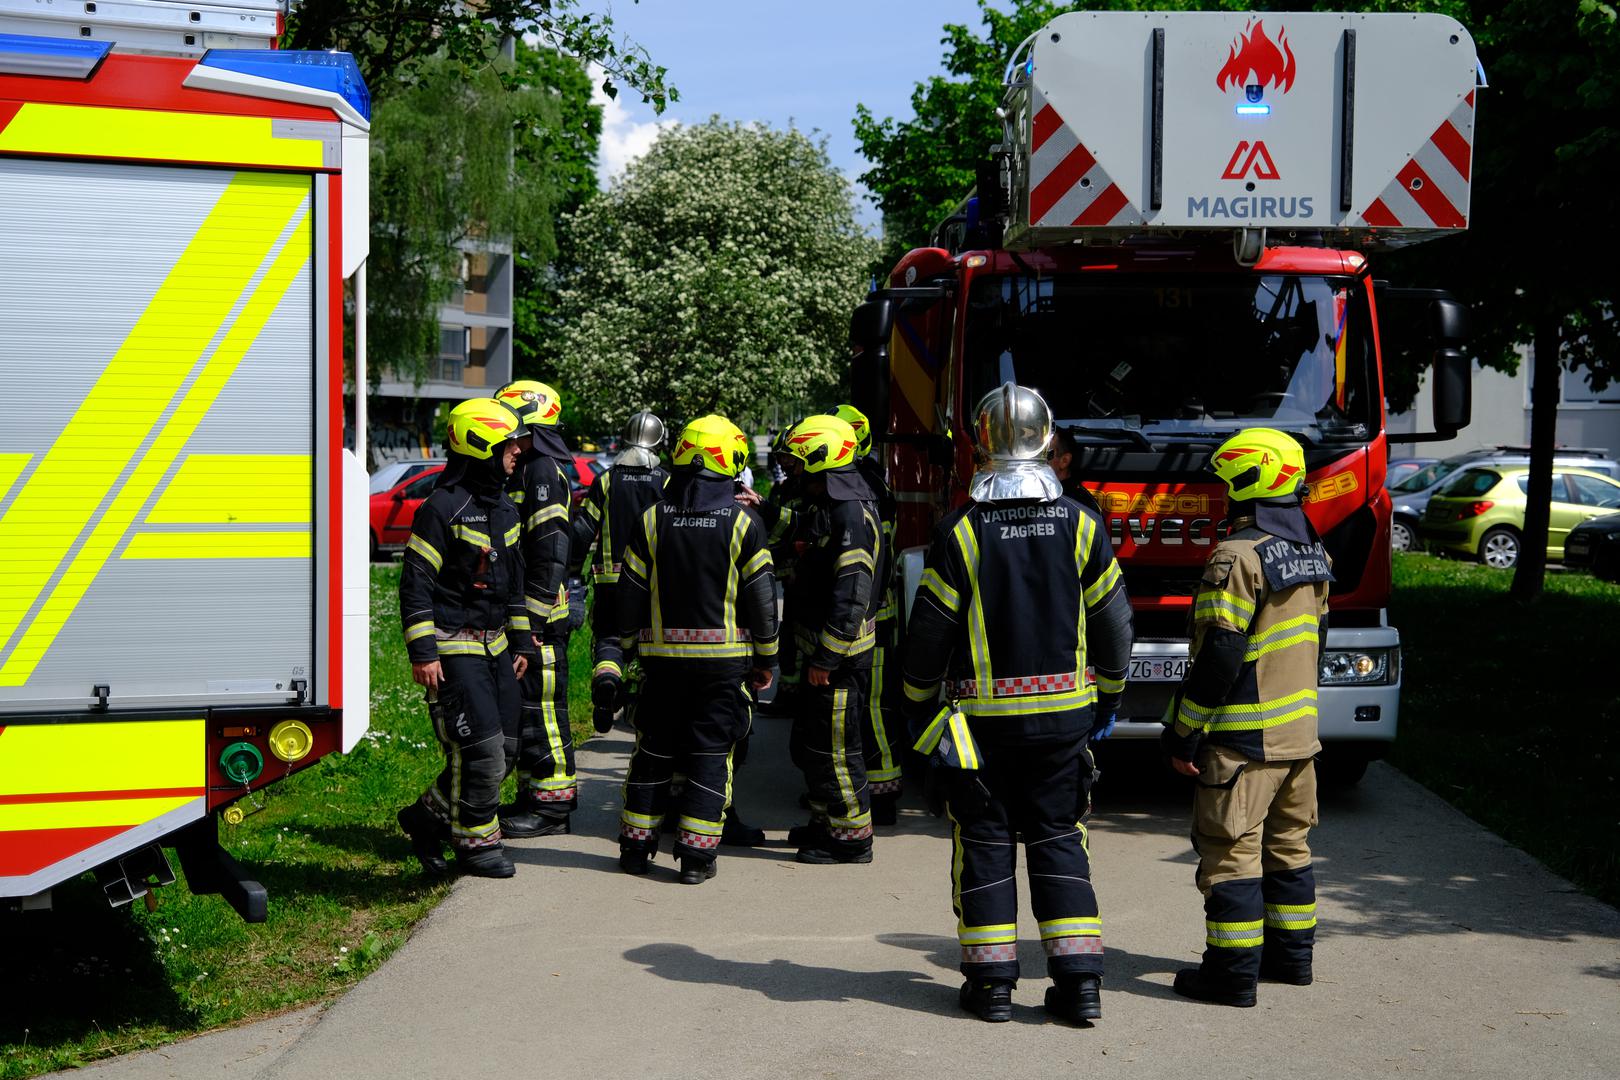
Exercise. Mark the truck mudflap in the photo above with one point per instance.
(1365, 712)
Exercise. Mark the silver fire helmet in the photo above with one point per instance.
(1014, 423)
(643, 438)
(1013, 427)
(645, 430)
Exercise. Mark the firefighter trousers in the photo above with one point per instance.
(691, 715)
(826, 745)
(1251, 825)
(476, 722)
(1034, 791)
(882, 733)
(545, 760)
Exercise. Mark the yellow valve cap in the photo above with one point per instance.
(233, 815)
(291, 740)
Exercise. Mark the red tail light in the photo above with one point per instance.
(1474, 509)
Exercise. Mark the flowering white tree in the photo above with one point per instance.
(717, 275)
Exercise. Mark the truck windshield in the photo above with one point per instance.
(1188, 355)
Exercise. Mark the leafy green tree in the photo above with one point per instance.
(392, 40)
(564, 153)
(716, 275)
(443, 176)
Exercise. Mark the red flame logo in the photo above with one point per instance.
(1255, 60)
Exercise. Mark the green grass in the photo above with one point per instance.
(1512, 713)
(85, 982)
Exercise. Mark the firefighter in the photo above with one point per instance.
(461, 606)
(879, 736)
(1061, 458)
(609, 515)
(546, 793)
(836, 603)
(696, 593)
(1243, 725)
(1020, 593)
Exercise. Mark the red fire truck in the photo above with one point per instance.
(1169, 245)
(183, 542)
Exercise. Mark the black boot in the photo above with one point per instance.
(1075, 998)
(633, 862)
(738, 832)
(1278, 970)
(696, 871)
(485, 862)
(827, 856)
(885, 809)
(523, 821)
(427, 838)
(1193, 983)
(988, 999)
(810, 835)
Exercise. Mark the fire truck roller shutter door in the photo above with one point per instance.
(156, 346)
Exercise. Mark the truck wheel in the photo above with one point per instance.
(1341, 769)
(1400, 536)
(1499, 549)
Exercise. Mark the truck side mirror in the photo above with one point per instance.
(1453, 370)
(869, 330)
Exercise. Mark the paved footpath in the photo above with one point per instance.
(1443, 951)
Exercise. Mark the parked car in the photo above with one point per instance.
(587, 467)
(1411, 496)
(1595, 544)
(393, 510)
(1480, 512)
(1399, 469)
(391, 475)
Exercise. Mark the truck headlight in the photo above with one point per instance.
(1359, 667)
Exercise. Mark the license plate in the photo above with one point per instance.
(1158, 669)
(1575, 547)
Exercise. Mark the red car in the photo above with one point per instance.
(392, 511)
(587, 467)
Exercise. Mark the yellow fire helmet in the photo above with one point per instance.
(479, 425)
(856, 419)
(536, 403)
(714, 443)
(823, 443)
(1259, 463)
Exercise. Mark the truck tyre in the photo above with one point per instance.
(1499, 548)
(1401, 535)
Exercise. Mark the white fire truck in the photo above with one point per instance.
(183, 581)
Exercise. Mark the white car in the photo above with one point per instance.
(395, 473)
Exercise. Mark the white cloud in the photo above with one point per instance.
(624, 138)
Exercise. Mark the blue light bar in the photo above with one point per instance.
(53, 58)
(1254, 110)
(327, 72)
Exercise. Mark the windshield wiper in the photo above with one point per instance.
(1117, 436)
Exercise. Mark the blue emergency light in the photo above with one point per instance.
(333, 72)
(1254, 110)
(53, 58)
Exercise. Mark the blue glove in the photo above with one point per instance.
(1101, 731)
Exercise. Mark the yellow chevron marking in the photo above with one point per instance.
(143, 754)
(141, 134)
(11, 467)
(130, 397)
(227, 489)
(219, 545)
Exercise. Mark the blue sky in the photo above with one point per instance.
(779, 61)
